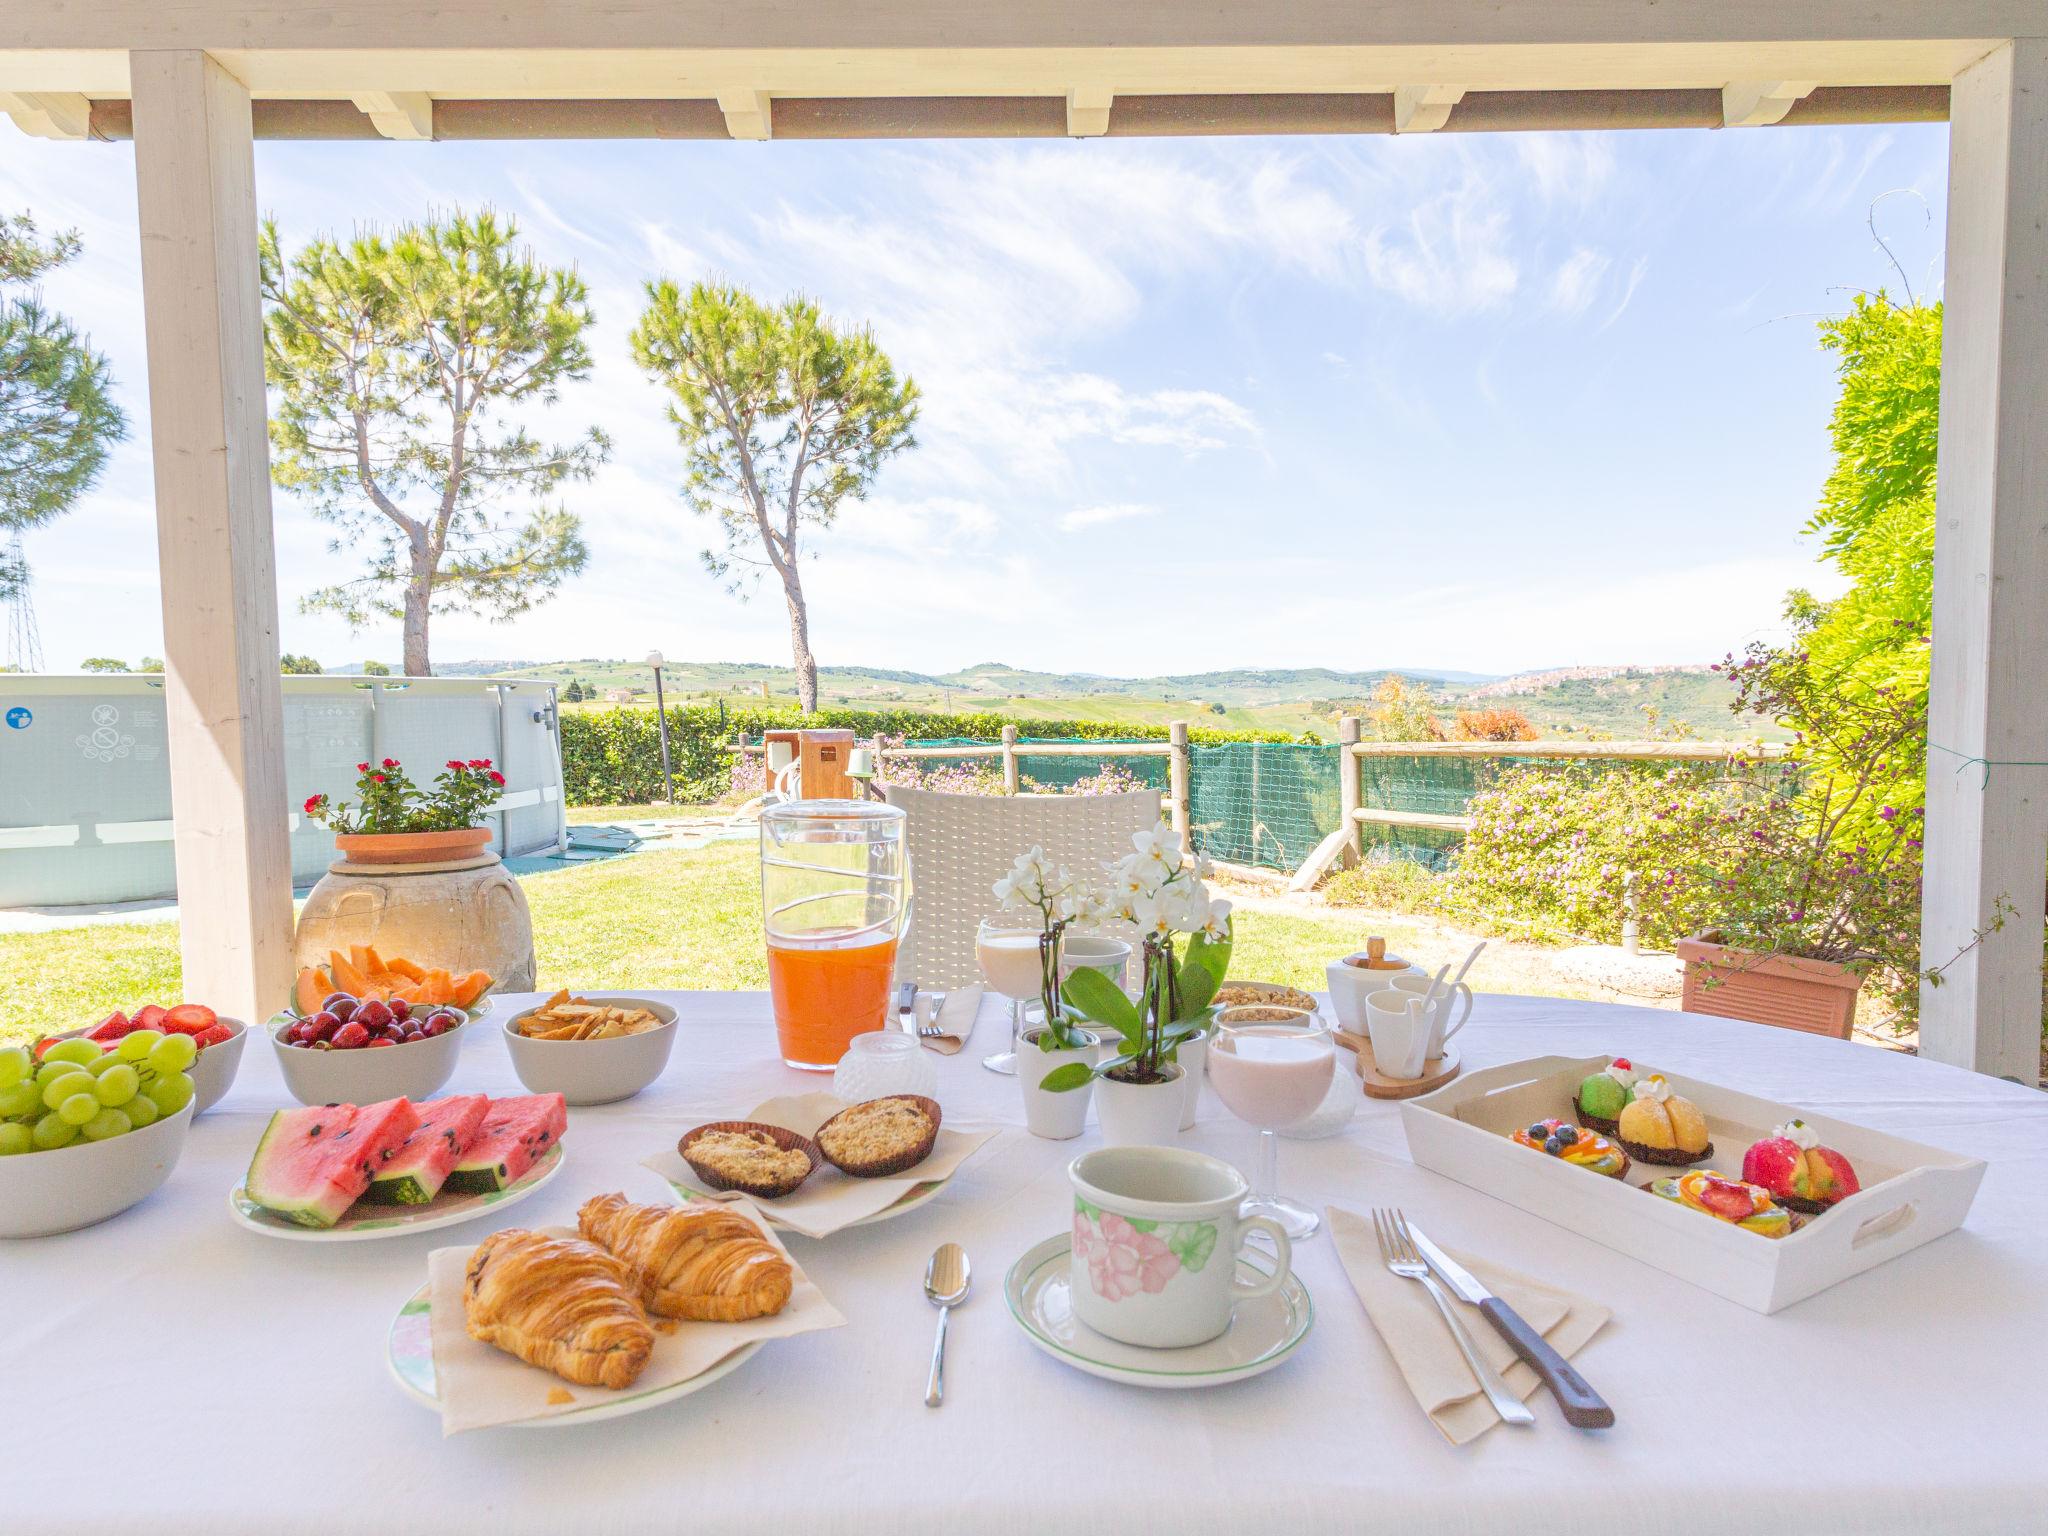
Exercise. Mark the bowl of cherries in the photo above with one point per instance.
(360, 1050)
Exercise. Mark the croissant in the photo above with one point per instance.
(710, 1266)
(557, 1303)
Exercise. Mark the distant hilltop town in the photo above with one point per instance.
(1536, 682)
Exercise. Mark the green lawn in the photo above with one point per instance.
(685, 918)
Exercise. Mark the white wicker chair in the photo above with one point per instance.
(961, 844)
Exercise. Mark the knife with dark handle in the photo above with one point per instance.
(906, 1000)
(1582, 1406)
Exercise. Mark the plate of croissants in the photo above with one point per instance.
(635, 1306)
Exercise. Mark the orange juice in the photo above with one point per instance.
(825, 992)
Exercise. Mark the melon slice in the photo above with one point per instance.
(515, 1135)
(413, 1174)
(312, 990)
(470, 988)
(312, 1164)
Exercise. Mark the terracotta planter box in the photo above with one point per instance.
(1816, 996)
(411, 847)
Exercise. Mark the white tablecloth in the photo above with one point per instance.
(1909, 1399)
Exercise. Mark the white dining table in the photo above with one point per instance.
(169, 1371)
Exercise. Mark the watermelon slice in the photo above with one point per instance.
(515, 1135)
(313, 1163)
(413, 1174)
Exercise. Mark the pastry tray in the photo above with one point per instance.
(1911, 1194)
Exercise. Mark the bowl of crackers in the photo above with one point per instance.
(591, 1049)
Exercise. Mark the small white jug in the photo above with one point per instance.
(1399, 1024)
(1441, 1025)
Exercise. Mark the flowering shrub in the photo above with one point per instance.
(388, 801)
(1555, 852)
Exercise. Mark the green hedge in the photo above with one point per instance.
(613, 756)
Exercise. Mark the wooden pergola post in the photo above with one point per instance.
(1987, 725)
(203, 319)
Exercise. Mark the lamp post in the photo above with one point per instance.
(668, 778)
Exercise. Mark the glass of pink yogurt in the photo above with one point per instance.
(1271, 1066)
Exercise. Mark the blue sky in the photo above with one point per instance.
(1481, 402)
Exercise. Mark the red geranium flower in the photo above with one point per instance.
(479, 762)
(314, 802)
(390, 762)
(457, 764)
(496, 777)
(362, 767)
(376, 778)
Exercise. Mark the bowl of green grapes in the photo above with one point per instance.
(86, 1131)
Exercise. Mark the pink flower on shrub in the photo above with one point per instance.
(1122, 1261)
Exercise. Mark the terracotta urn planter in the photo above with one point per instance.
(411, 847)
(461, 910)
(1816, 996)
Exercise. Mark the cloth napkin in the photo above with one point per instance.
(1421, 1345)
(955, 1018)
(829, 1200)
(480, 1385)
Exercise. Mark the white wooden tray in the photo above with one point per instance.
(1911, 1193)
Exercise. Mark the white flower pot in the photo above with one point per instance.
(1141, 1114)
(1193, 1056)
(1055, 1116)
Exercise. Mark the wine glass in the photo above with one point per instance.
(1008, 955)
(1272, 1066)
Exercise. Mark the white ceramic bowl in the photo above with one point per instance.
(594, 1071)
(414, 1071)
(88, 1181)
(214, 1072)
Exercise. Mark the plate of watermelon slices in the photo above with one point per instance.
(346, 1172)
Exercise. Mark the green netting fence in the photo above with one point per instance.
(1270, 803)
(1263, 803)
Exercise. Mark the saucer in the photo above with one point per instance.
(1262, 1332)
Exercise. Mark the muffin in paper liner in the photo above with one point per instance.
(882, 1168)
(762, 1190)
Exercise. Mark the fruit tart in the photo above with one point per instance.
(1798, 1171)
(1658, 1126)
(1730, 1200)
(1581, 1148)
(1603, 1096)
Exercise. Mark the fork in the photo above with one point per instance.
(1401, 1258)
(931, 1029)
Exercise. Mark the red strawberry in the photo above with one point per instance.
(113, 1027)
(213, 1034)
(1725, 1198)
(150, 1017)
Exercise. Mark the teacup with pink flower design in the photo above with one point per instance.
(1155, 1239)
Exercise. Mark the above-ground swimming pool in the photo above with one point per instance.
(85, 790)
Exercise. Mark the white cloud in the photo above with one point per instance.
(1575, 283)
(1450, 254)
(1109, 512)
(1565, 167)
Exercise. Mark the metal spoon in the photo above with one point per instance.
(945, 1287)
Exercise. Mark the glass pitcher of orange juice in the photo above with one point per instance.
(835, 897)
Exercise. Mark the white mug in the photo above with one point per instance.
(1351, 985)
(1400, 1026)
(1155, 1241)
(1440, 1010)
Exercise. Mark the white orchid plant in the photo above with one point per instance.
(1060, 899)
(1162, 893)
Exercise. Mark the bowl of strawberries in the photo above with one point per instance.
(219, 1041)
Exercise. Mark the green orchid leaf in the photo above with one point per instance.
(1212, 955)
(1094, 996)
(1075, 1074)
(1197, 985)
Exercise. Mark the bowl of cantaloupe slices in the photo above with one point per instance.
(362, 1028)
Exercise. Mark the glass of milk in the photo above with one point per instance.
(1272, 1066)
